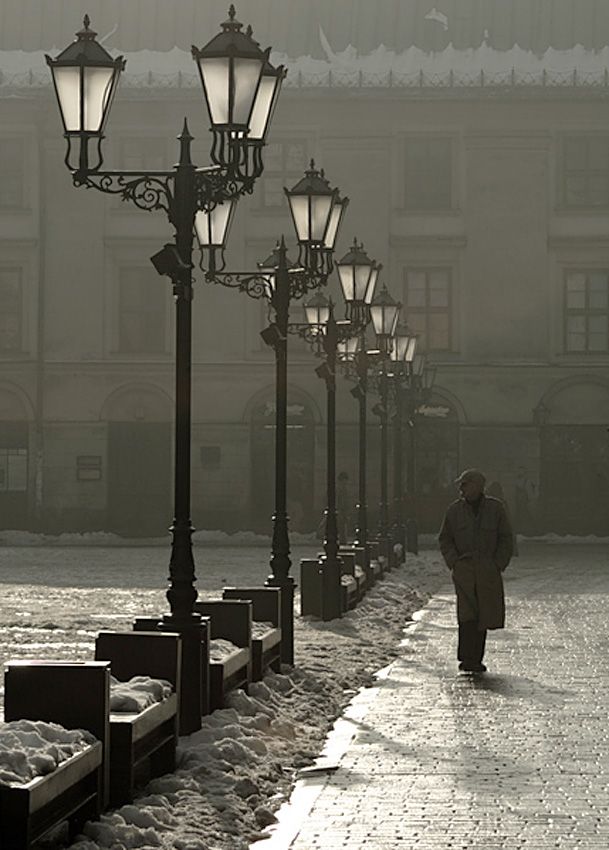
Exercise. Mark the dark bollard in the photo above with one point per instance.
(412, 536)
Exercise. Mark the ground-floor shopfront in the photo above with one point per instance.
(113, 472)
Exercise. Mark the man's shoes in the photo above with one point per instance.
(474, 667)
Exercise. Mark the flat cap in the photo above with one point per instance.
(471, 475)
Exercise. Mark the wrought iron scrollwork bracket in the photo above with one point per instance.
(146, 191)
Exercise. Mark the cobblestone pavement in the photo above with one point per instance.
(517, 758)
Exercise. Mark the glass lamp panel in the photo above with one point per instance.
(347, 280)
(317, 311)
(212, 227)
(399, 349)
(384, 318)
(321, 208)
(98, 92)
(246, 76)
(348, 349)
(215, 77)
(361, 275)
(371, 284)
(299, 205)
(264, 105)
(411, 350)
(68, 87)
(336, 217)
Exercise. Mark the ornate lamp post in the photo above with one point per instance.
(327, 334)
(421, 376)
(241, 89)
(402, 355)
(317, 211)
(384, 312)
(358, 275)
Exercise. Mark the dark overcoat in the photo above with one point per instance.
(477, 548)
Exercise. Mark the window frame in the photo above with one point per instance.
(19, 311)
(453, 186)
(287, 177)
(586, 311)
(23, 147)
(588, 173)
(427, 269)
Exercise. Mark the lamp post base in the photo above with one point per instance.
(287, 586)
(412, 536)
(331, 587)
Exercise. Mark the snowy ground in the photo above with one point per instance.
(235, 773)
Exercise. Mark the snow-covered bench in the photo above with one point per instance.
(74, 695)
(143, 737)
(195, 653)
(230, 664)
(266, 627)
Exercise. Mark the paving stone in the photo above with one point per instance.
(516, 759)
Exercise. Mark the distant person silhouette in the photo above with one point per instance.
(476, 541)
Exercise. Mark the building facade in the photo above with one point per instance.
(475, 153)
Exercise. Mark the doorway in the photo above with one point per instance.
(139, 478)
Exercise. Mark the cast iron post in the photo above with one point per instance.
(280, 547)
(361, 393)
(383, 535)
(399, 528)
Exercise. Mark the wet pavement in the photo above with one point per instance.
(516, 758)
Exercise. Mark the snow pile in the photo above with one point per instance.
(235, 773)
(31, 748)
(261, 628)
(219, 649)
(138, 693)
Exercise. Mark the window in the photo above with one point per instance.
(585, 167)
(587, 310)
(13, 469)
(284, 165)
(12, 173)
(11, 309)
(143, 154)
(427, 306)
(428, 174)
(142, 312)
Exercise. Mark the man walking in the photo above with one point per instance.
(476, 541)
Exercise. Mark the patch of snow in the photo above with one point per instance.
(138, 693)
(31, 748)
(219, 649)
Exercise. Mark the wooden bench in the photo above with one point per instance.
(142, 744)
(266, 608)
(231, 620)
(76, 695)
(354, 582)
(311, 587)
(195, 653)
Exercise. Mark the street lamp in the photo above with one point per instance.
(384, 312)
(358, 276)
(317, 212)
(402, 356)
(233, 71)
(329, 335)
(419, 386)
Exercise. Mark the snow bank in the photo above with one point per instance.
(138, 693)
(31, 748)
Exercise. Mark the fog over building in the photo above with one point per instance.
(473, 142)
